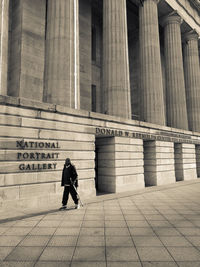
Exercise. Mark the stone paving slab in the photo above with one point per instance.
(152, 228)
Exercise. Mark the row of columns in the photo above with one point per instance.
(61, 77)
(182, 90)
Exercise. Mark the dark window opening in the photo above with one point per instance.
(93, 97)
(46, 18)
(93, 43)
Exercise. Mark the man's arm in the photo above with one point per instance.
(74, 176)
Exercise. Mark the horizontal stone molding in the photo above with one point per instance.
(120, 163)
(62, 135)
(118, 148)
(10, 179)
(10, 144)
(121, 155)
(121, 171)
(40, 166)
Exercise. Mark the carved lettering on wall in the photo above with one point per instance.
(41, 154)
(159, 135)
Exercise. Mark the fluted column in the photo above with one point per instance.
(4, 35)
(151, 87)
(62, 54)
(192, 79)
(175, 85)
(116, 84)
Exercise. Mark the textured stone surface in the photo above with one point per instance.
(192, 79)
(151, 87)
(121, 159)
(62, 54)
(175, 84)
(116, 82)
(117, 174)
(134, 229)
(185, 162)
(158, 163)
(26, 68)
(4, 50)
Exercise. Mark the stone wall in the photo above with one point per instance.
(185, 162)
(158, 163)
(21, 178)
(35, 139)
(120, 164)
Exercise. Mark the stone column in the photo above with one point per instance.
(151, 87)
(4, 36)
(116, 84)
(26, 60)
(192, 80)
(62, 54)
(175, 85)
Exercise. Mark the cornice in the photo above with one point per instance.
(196, 4)
(142, 1)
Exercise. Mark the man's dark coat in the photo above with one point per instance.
(69, 175)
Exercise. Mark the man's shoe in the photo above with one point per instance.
(63, 207)
(77, 206)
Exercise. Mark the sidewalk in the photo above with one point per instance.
(157, 226)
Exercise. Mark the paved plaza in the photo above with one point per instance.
(158, 226)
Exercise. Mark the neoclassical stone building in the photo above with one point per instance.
(112, 84)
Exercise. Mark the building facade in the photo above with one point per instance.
(112, 84)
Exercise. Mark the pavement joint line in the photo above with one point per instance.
(155, 235)
(17, 245)
(105, 244)
(130, 233)
(77, 238)
(47, 242)
(108, 197)
(159, 237)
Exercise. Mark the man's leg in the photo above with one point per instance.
(74, 195)
(65, 195)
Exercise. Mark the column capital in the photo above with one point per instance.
(191, 35)
(171, 18)
(141, 1)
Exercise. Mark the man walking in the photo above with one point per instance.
(69, 180)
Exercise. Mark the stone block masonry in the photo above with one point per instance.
(32, 154)
(35, 141)
(185, 162)
(158, 163)
(117, 173)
